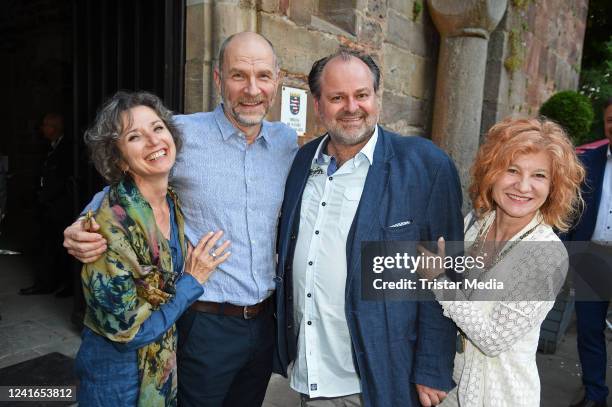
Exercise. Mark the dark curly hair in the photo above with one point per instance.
(101, 138)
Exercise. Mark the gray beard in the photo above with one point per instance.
(240, 120)
(342, 139)
(244, 121)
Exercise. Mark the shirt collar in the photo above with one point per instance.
(228, 129)
(366, 152)
(608, 154)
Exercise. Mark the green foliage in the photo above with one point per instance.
(596, 73)
(597, 33)
(417, 9)
(573, 112)
(596, 84)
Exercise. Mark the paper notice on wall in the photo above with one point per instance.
(293, 109)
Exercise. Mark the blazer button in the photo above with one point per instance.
(289, 326)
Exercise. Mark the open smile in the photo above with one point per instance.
(351, 121)
(156, 155)
(351, 118)
(518, 198)
(250, 105)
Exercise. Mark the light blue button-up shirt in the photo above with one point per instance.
(225, 184)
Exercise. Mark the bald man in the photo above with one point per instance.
(229, 176)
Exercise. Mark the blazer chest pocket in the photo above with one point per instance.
(405, 229)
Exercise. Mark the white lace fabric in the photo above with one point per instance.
(498, 367)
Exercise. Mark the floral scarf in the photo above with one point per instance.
(130, 281)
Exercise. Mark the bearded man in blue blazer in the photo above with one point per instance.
(595, 227)
(361, 183)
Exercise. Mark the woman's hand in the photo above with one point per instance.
(434, 261)
(203, 259)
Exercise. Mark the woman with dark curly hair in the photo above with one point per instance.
(525, 182)
(142, 283)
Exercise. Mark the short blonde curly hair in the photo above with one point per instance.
(513, 137)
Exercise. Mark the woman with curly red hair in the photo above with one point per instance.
(525, 183)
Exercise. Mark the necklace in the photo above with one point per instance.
(478, 247)
(480, 242)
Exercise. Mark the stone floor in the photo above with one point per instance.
(36, 325)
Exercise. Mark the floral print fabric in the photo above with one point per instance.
(131, 280)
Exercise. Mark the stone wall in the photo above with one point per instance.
(399, 34)
(534, 52)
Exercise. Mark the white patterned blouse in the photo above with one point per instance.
(498, 366)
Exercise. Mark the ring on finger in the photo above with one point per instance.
(213, 254)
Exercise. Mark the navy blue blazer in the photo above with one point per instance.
(395, 343)
(594, 162)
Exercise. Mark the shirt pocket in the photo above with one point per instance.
(350, 202)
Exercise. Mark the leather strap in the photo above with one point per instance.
(231, 310)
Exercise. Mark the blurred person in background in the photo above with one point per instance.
(594, 227)
(54, 211)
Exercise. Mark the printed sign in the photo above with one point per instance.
(293, 109)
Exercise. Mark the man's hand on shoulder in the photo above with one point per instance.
(85, 244)
(429, 396)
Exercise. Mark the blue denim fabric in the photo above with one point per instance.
(107, 376)
(108, 371)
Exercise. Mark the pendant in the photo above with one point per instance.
(460, 343)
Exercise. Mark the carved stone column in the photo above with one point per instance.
(464, 28)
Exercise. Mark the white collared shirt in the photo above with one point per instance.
(602, 234)
(324, 365)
